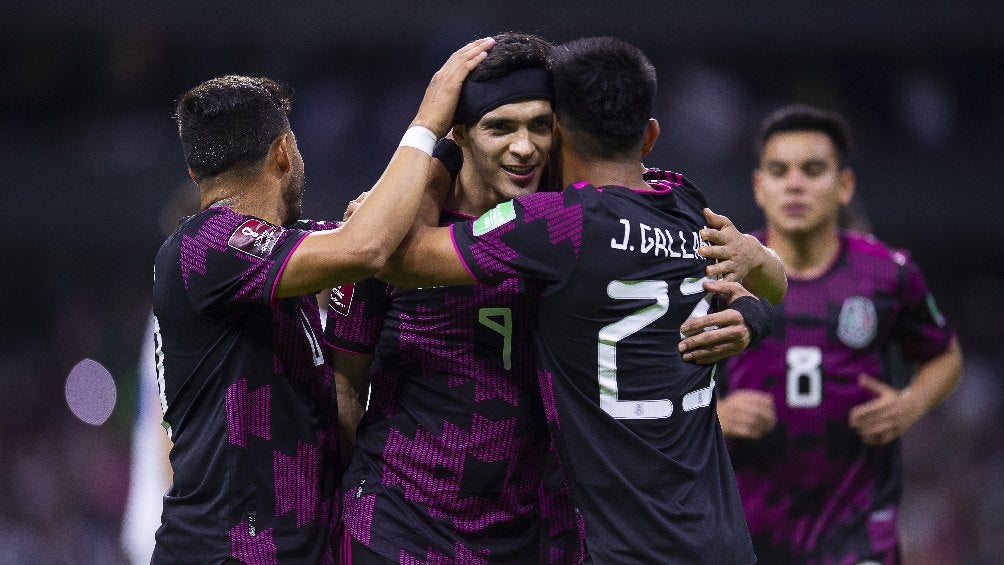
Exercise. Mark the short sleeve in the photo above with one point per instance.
(227, 258)
(535, 238)
(356, 313)
(921, 329)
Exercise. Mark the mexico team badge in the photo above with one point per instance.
(858, 323)
(255, 237)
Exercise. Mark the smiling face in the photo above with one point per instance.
(800, 185)
(506, 150)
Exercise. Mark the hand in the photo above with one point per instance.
(354, 205)
(737, 254)
(711, 338)
(885, 417)
(440, 101)
(747, 413)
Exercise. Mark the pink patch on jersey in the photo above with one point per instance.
(255, 237)
(341, 299)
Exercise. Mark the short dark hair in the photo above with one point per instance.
(230, 120)
(604, 91)
(802, 117)
(513, 51)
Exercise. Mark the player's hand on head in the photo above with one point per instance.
(885, 417)
(440, 101)
(747, 413)
(736, 253)
(354, 205)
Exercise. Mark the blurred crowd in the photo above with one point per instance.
(94, 159)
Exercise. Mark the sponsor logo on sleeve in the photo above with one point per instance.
(255, 237)
(858, 324)
(341, 299)
(497, 216)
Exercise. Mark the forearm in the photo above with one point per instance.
(351, 383)
(767, 280)
(389, 211)
(358, 248)
(426, 256)
(935, 380)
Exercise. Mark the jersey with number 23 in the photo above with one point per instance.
(613, 273)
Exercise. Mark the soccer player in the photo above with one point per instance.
(812, 414)
(614, 268)
(451, 456)
(245, 386)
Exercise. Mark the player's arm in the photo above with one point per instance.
(743, 413)
(358, 248)
(352, 383)
(893, 411)
(428, 256)
(747, 413)
(741, 257)
(713, 337)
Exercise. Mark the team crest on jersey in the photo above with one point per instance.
(858, 323)
(341, 299)
(255, 237)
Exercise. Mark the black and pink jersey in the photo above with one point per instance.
(451, 454)
(812, 490)
(614, 273)
(246, 392)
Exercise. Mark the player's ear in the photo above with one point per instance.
(279, 153)
(460, 135)
(191, 175)
(848, 182)
(757, 176)
(651, 134)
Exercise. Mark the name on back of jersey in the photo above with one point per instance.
(657, 241)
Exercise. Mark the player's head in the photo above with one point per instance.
(802, 179)
(604, 90)
(234, 125)
(503, 119)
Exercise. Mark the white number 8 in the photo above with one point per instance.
(805, 377)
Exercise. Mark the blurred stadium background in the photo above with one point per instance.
(92, 157)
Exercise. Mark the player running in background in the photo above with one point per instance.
(451, 454)
(812, 413)
(245, 386)
(614, 268)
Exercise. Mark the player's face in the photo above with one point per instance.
(508, 147)
(292, 194)
(799, 186)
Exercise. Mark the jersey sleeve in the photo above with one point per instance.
(535, 238)
(356, 313)
(921, 329)
(228, 259)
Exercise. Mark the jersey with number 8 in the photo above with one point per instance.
(813, 492)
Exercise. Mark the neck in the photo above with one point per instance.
(468, 196)
(808, 255)
(601, 172)
(250, 197)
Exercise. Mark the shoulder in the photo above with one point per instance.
(315, 225)
(866, 245)
(676, 181)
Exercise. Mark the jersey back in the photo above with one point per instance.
(615, 273)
